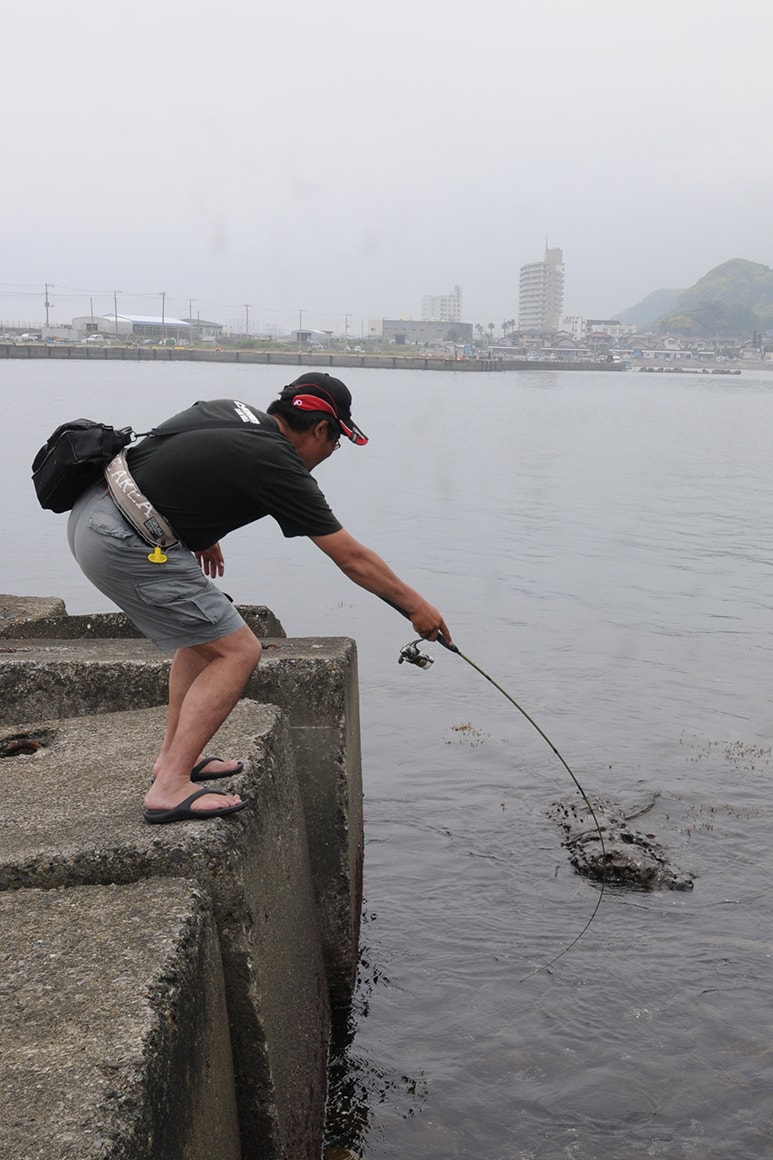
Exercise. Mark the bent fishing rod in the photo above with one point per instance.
(411, 654)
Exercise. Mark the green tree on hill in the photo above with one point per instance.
(731, 301)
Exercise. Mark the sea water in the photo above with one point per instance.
(600, 545)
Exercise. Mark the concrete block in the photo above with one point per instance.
(19, 609)
(114, 1026)
(316, 683)
(86, 828)
(313, 680)
(33, 618)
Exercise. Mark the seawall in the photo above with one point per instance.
(167, 990)
(340, 359)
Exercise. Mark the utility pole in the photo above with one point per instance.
(115, 309)
(346, 327)
(46, 304)
(247, 318)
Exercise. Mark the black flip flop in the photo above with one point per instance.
(197, 773)
(184, 813)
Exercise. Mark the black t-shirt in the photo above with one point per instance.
(236, 469)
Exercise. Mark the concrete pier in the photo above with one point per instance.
(409, 361)
(259, 911)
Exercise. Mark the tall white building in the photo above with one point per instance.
(442, 307)
(541, 296)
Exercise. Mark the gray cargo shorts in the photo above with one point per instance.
(173, 604)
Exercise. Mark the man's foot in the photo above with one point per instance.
(160, 799)
(186, 810)
(208, 769)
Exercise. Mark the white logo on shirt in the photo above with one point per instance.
(244, 413)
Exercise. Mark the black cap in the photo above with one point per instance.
(317, 391)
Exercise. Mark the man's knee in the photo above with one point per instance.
(241, 647)
(253, 648)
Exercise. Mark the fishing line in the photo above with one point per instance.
(410, 652)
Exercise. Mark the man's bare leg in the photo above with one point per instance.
(187, 663)
(206, 682)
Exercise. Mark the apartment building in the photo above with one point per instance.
(442, 307)
(541, 294)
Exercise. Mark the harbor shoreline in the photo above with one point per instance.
(325, 359)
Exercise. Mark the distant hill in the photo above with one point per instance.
(731, 301)
(647, 312)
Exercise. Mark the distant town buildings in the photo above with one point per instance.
(576, 325)
(541, 293)
(406, 331)
(442, 307)
(581, 327)
(441, 324)
(542, 332)
(143, 326)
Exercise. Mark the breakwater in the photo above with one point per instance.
(340, 359)
(168, 990)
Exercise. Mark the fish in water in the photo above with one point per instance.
(627, 858)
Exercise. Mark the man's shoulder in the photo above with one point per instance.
(218, 413)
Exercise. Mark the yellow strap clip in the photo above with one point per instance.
(157, 556)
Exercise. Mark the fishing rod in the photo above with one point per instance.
(411, 654)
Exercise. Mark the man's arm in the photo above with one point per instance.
(367, 569)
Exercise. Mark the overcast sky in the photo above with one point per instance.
(343, 159)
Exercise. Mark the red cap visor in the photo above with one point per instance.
(314, 403)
